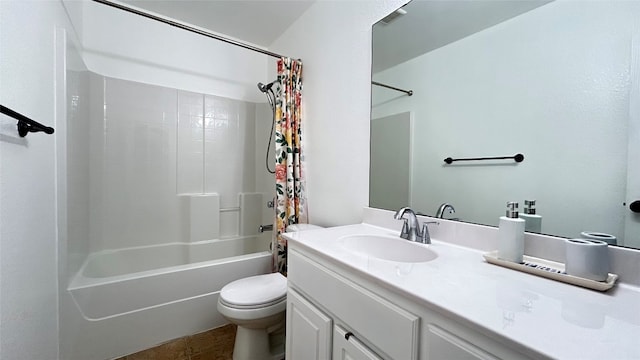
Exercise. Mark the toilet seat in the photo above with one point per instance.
(256, 306)
(255, 292)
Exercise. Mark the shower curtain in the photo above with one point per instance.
(291, 206)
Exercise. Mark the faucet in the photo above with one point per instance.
(442, 208)
(411, 228)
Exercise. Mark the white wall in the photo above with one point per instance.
(28, 268)
(127, 46)
(334, 41)
(632, 220)
(557, 94)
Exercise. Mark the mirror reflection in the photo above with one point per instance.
(555, 81)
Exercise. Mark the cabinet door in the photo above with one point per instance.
(308, 330)
(347, 347)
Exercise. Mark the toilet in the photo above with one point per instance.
(257, 305)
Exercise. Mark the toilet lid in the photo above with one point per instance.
(255, 290)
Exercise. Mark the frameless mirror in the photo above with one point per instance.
(558, 82)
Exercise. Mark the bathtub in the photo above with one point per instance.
(131, 299)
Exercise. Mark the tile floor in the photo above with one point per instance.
(216, 344)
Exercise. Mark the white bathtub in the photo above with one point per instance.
(148, 295)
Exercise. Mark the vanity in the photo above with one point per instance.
(441, 301)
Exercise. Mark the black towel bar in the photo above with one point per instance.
(25, 125)
(517, 157)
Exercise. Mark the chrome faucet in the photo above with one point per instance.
(411, 228)
(442, 208)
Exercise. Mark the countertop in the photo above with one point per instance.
(558, 320)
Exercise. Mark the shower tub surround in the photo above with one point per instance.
(147, 155)
(165, 196)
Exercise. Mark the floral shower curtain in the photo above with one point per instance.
(291, 206)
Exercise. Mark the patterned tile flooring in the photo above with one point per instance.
(216, 344)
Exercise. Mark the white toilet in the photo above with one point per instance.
(257, 305)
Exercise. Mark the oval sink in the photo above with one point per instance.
(388, 248)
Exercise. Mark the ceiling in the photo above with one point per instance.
(429, 25)
(259, 22)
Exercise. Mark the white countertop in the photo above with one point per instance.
(556, 319)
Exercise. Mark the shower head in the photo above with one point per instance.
(264, 88)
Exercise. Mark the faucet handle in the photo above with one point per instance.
(405, 229)
(425, 237)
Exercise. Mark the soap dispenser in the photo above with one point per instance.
(511, 235)
(533, 221)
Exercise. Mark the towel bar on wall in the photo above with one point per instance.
(25, 125)
(408, 92)
(517, 158)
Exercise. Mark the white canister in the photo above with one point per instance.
(592, 235)
(587, 259)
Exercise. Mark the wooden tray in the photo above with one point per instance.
(551, 270)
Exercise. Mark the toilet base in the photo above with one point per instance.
(277, 341)
(251, 344)
(258, 344)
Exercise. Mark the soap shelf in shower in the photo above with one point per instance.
(550, 270)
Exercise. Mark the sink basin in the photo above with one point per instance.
(388, 248)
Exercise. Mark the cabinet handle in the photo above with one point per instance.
(348, 335)
(635, 206)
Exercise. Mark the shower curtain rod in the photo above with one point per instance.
(408, 92)
(188, 28)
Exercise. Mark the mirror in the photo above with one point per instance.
(555, 81)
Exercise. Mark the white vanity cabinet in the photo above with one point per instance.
(336, 313)
(389, 331)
